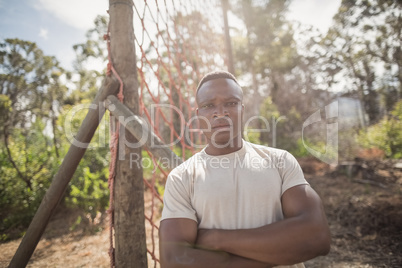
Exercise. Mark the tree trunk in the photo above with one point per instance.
(130, 238)
(228, 42)
(255, 108)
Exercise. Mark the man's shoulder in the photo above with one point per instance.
(187, 165)
(266, 150)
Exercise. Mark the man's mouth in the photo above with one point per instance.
(221, 126)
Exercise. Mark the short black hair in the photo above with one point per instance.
(216, 75)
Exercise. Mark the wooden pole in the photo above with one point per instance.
(146, 137)
(66, 171)
(130, 237)
(228, 42)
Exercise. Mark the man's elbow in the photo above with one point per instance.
(168, 261)
(176, 256)
(317, 243)
(322, 241)
(326, 245)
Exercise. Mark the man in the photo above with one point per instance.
(237, 204)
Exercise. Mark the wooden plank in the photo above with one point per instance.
(146, 137)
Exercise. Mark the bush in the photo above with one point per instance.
(385, 135)
(22, 191)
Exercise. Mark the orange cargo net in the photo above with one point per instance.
(177, 42)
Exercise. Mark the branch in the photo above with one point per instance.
(24, 178)
(42, 165)
(39, 169)
(54, 137)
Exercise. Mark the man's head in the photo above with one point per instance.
(216, 75)
(220, 108)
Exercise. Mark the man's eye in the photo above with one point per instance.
(206, 105)
(232, 103)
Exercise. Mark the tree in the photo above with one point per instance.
(34, 103)
(268, 51)
(129, 185)
(32, 94)
(31, 91)
(365, 42)
(90, 62)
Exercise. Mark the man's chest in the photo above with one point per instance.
(236, 194)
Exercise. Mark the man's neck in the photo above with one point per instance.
(234, 146)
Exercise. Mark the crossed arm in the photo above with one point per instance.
(302, 235)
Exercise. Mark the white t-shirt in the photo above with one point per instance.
(240, 190)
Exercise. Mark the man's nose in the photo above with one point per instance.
(220, 110)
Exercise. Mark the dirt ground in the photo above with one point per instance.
(365, 219)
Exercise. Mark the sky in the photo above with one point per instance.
(56, 25)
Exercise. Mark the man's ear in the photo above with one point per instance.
(196, 111)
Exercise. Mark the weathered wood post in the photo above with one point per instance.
(140, 129)
(129, 218)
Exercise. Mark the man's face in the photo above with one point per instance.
(220, 111)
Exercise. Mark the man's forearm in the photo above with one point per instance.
(302, 235)
(286, 242)
(187, 256)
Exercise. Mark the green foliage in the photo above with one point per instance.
(268, 47)
(5, 108)
(179, 152)
(347, 146)
(94, 47)
(22, 190)
(148, 167)
(30, 80)
(160, 188)
(299, 150)
(33, 109)
(386, 134)
(76, 223)
(284, 128)
(88, 188)
(252, 136)
(269, 109)
(32, 93)
(285, 131)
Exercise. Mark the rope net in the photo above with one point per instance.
(177, 42)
